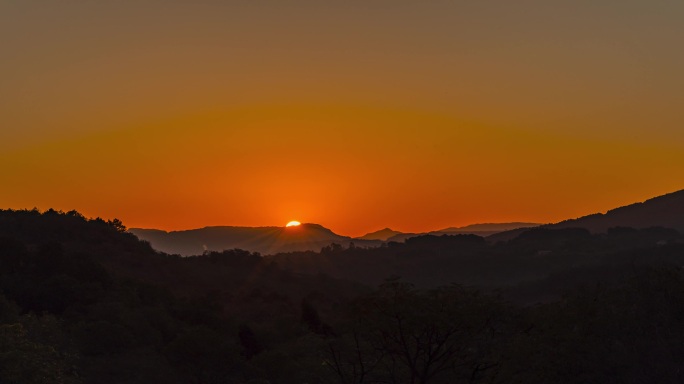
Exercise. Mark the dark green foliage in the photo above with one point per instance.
(23, 361)
(32, 349)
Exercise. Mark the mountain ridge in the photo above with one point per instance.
(382, 234)
(661, 211)
(273, 239)
(264, 240)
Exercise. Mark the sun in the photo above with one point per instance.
(293, 224)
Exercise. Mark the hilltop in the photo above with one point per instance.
(665, 211)
(264, 240)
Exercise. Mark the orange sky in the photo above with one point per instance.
(355, 115)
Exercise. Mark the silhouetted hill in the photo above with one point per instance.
(84, 301)
(430, 261)
(265, 240)
(382, 235)
(484, 229)
(271, 240)
(401, 237)
(663, 211)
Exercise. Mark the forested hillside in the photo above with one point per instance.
(83, 301)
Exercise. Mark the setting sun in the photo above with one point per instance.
(465, 172)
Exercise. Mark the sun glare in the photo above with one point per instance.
(293, 224)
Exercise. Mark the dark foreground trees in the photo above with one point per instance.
(401, 335)
(83, 302)
(631, 331)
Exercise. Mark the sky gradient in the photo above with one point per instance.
(357, 115)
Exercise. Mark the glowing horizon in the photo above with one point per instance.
(354, 115)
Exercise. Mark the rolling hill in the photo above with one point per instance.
(484, 229)
(382, 234)
(662, 211)
(271, 240)
(265, 240)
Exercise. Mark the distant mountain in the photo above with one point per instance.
(484, 229)
(265, 240)
(271, 240)
(401, 237)
(382, 235)
(662, 211)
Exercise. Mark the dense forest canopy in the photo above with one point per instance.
(84, 301)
